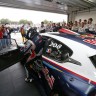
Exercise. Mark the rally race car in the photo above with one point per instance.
(68, 63)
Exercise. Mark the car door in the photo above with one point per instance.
(9, 53)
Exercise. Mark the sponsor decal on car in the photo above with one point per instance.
(87, 36)
(50, 79)
(90, 41)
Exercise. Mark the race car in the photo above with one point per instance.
(69, 65)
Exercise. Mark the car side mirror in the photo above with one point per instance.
(65, 56)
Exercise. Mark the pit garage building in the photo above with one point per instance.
(75, 9)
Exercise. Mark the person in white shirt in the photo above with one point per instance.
(85, 24)
(49, 27)
(75, 26)
(81, 29)
(80, 23)
(91, 26)
(42, 28)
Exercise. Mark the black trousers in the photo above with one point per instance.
(27, 66)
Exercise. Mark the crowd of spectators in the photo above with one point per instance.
(78, 26)
(50, 27)
(84, 26)
(81, 26)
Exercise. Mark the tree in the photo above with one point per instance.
(14, 22)
(5, 21)
(46, 21)
(30, 22)
(23, 21)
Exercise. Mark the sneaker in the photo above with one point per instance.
(28, 80)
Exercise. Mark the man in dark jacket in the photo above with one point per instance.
(36, 52)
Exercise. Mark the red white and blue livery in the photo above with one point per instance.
(71, 62)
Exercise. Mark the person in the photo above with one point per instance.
(75, 26)
(1, 36)
(36, 53)
(42, 28)
(54, 27)
(69, 26)
(80, 23)
(1, 33)
(91, 26)
(3, 29)
(64, 25)
(81, 29)
(85, 24)
(49, 27)
(23, 33)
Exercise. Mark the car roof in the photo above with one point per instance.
(73, 42)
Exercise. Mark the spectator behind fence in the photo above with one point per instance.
(5, 33)
(91, 26)
(1, 36)
(1, 33)
(69, 25)
(23, 33)
(85, 24)
(75, 26)
(54, 27)
(42, 28)
(64, 25)
(81, 29)
(49, 28)
(58, 26)
(80, 23)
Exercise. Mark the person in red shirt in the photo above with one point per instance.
(1, 33)
(1, 36)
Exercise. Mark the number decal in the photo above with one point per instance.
(55, 45)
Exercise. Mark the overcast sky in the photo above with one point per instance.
(35, 16)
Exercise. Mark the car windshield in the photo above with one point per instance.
(93, 59)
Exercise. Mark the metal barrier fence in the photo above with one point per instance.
(4, 43)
